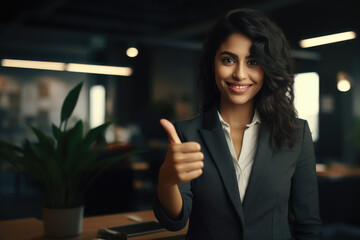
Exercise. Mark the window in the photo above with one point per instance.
(306, 91)
(97, 105)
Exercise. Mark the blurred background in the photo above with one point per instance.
(153, 48)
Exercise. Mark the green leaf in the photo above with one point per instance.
(10, 147)
(28, 152)
(46, 142)
(70, 144)
(75, 135)
(94, 133)
(57, 133)
(52, 171)
(39, 151)
(9, 156)
(61, 143)
(70, 102)
(81, 161)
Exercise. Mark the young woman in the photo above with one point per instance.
(245, 168)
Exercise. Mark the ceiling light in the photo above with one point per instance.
(55, 66)
(343, 85)
(99, 69)
(343, 82)
(132, 52)
(317, 41)
(70, 67)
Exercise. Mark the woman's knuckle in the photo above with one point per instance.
(177, 157)
(172, 147)
(180, 177)
(201, 164)
(178, 168)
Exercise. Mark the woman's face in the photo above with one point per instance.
(237, 74)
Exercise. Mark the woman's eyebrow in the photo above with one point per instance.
(234, 55)
(229, 53)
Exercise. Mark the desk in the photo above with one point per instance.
(32, 229)
(337, 170)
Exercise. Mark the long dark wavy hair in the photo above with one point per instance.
(275, 101)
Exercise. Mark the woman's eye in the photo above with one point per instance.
(252, 62)
(227, 60)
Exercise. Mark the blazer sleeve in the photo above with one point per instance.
(304, 199)
(186, 193)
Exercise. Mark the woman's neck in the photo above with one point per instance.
(237, 115)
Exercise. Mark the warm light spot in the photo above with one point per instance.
(132, 52)
(343, 85)
(44, 65)
(343, 82)
(320, 167)
(97, 105)
(70, 67)
(306, 91)
(317, 41)
(99, 69)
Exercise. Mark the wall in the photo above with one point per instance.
(173, 73)
(335, 141)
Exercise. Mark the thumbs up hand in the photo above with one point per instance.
(183, 162)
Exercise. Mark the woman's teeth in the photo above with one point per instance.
(240, 87)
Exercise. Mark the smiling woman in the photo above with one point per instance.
(246, 163)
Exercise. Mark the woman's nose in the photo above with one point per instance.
(240, 72)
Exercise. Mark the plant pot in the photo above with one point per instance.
(61, 223)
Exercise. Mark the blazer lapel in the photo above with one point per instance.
(262, 158)
(214, 138)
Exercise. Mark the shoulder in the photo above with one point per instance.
(302, 132)
(300, 122)
(301, 126)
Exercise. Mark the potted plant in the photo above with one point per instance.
(65, 165)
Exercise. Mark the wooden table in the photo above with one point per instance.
(32, 228)
(337, 170)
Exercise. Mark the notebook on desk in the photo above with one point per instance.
(131, 230)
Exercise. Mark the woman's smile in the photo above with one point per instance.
(238, 88)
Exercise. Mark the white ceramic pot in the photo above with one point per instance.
(61, 223)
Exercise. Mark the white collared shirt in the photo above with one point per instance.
(243, 165)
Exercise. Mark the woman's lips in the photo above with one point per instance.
(238, 88)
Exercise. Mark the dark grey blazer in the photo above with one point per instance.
(282, 183)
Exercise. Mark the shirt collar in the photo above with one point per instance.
(255, 119)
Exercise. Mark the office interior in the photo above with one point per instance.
(164, 40)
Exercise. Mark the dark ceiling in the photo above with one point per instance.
(185, 20)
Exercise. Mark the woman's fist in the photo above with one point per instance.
(183, 162)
